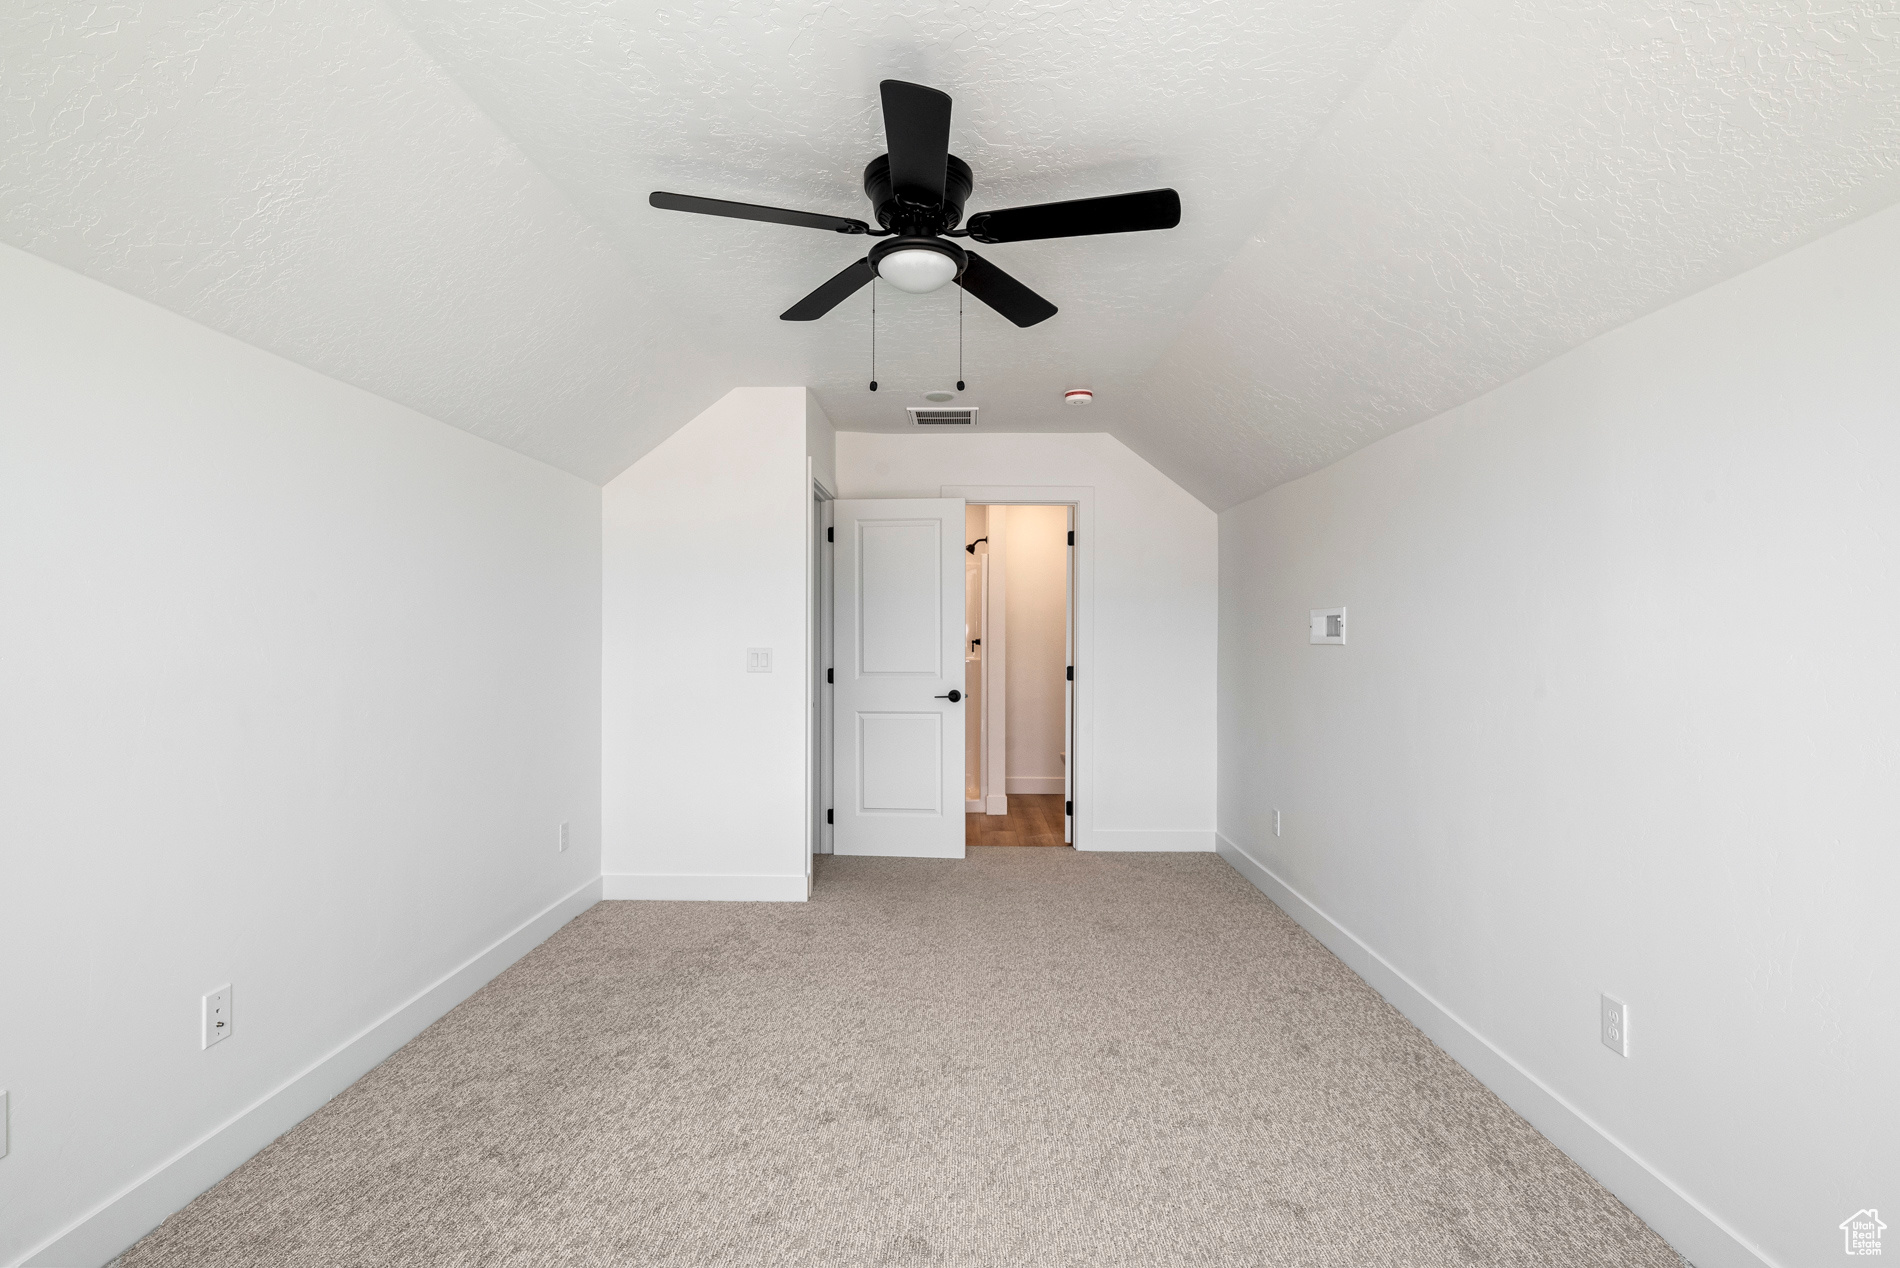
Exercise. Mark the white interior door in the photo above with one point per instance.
(898, 641)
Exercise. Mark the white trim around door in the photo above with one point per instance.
(817, 667)
(1082, 498)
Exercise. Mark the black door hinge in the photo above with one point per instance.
(1068, 808)
(830, 538)
(1071, 673)
(1072, 537)
(827, 816)
(827, 675)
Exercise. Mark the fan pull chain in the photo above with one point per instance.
(959, 338)
(874, 334)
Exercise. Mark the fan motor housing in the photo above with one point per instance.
(910, 216)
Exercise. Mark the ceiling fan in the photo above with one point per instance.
(918, 190)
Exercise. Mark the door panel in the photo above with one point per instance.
(899, 653)
(900, 755)
(900, 597)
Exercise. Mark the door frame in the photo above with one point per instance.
(980, 803)
(1080, 497)
(994, 750)
(818, 781)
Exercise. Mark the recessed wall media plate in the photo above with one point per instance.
(1328, 626)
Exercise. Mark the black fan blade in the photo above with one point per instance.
(1004, 293)
(917, 133)
(1117, 213)
(747, 211)
(831, 294)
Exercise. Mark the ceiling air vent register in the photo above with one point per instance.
(923, 416)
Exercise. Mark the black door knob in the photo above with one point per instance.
(952, 696)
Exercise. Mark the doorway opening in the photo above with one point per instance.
(1019, 642)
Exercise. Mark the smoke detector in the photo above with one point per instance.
(1077, 396)
(940, 397)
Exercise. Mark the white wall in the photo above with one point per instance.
(1038, 579)
(821, 444)
(704, 556)
(296, 686)
(1153, 592)
(1620, 712)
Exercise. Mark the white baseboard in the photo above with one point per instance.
(1152, 840)
(974, 806)
(1039, 784)
(105, 1232)
(617, 886)
(1697, 1234)
(999, 804)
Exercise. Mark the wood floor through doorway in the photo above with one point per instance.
(1033, 819)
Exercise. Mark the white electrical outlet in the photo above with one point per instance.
(217, 1015)
(564, 836)
(1616, 1026)
(1276, 821)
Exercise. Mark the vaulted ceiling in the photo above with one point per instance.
(1390, 206)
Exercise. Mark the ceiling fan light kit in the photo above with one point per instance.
(917, 265)
(918, 190)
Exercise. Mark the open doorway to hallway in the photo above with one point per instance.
(1018, 658)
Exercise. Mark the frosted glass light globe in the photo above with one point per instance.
(917, 270)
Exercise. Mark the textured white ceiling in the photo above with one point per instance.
(1388, 210)
(778, 103)
(1512, 179)
(305, 177)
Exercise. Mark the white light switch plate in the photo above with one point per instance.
(217, 1015)
(758, 660)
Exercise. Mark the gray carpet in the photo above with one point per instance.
(1029, 1057)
